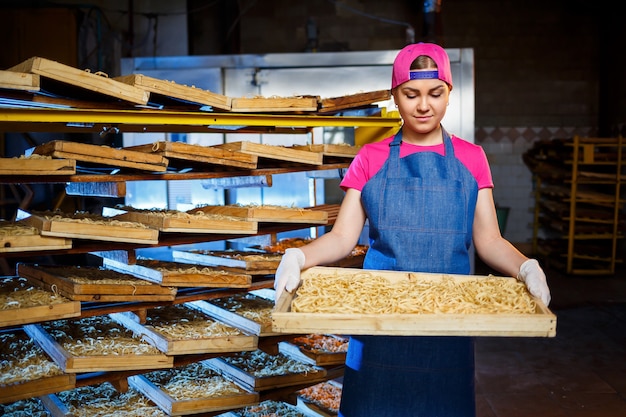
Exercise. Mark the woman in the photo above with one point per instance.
(427, 196)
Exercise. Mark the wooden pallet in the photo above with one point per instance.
(96, 285)
(90, 82)
(177, 152)
(180, 92)
(103, 155)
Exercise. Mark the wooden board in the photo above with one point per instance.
(155, 331)
(272, 372)
(90, 283)
(37, 166)
(281, 153)
(103, 155)
(334, 104)
(267, 213)
(12, 80)
(330, 150)
(246, 311)
(181, 222)
(175, 274)
(252, 263)
(92, 82)
(198, 154)
(42, 376)
(19, 237)
(151, 384)
(108, 229)
(46, 335)
(273, 104)
(24, 303)
(541, 323)
(304, 348)
(177, 91)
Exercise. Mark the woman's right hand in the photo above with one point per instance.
(287, 276)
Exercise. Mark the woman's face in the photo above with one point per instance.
(422, 103)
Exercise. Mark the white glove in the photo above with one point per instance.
(288, 272)
(531, 274)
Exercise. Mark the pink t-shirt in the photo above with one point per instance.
(372, 156)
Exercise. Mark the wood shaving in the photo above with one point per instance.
(367, 293)
(17, 293)
(22, 360)
(96, 336)
(193, 381)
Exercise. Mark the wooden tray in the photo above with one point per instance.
(267, 213)
(28, 303)
(245, 311)
(273, 104)
(334, 104)
(281, 153)
(175, 274)
(103, 155)
(246, 262)
(305, 352)
(177, 91)
(270, 375)
(37, 166)
(17, 351)
(330, 150)
(187, 223)
(19, 237)
(151, 384)
(198, 154)
(106, 361)
(100, 400)
(265, 409)
(541, 323)
(231, 340)
(107, 230)
(314, 408)
(19, 81)
(85, 80)
(94, 284)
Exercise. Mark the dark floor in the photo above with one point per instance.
(579, 373)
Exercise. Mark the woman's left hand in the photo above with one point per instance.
(535, 279)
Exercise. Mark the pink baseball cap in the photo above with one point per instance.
(402, 64)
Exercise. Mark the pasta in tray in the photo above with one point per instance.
(367, 293)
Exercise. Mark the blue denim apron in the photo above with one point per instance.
(420, 208)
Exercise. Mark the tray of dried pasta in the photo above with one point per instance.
(101, 400)
(19, 237)
(247, 311)
(21, 303)
(259, 371)
(356, 301)
(246, 262)
(267, 408)
(192, 389)
(181, 329)
(177, 274)
(92, 283)
(267, 213)
(320, 400)
(26, 370)
(96, 344)
(316, 349)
